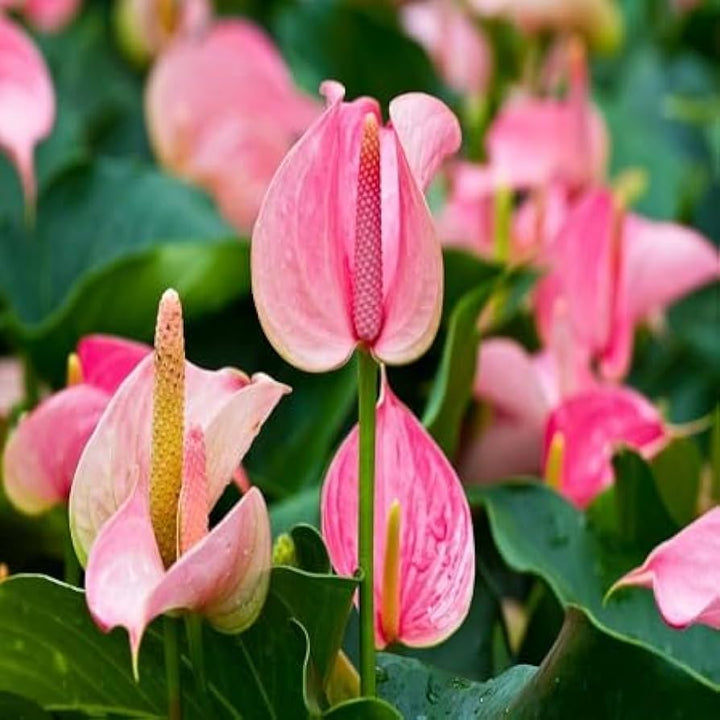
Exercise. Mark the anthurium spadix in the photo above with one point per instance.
(162, 454)
(424, 550)
(684, 574)
(344, 251)
(27, 102)
(42, 452)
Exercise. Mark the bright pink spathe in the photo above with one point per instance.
(591, 426)
(42, 453)
(684, 574)
(223, 572)
(432, 573)
(614, 271)
(222, 111)
(344, 250)
(27, 103)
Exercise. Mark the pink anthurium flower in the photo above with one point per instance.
(424, 548)
(163, 452)
(583, 432)
(27, 103)
(42, 453)
(684, 574)
(613, 271)
(534, 141)
(222, 111)
(344, 251)
(519, 391)
(456, 44)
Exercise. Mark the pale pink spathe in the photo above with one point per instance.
(27, 102)
(684, 574)
(303, 243)
(50, 16)
(225, 404)
(222, 111)
(42, 452)
(594, 424)
(437, 556)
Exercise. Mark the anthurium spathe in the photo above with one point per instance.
(424, 550)
(222, 111)
(684, 574)
(613, 270)
(42, 452)
(344, 250)
(583, 432)
(161, 456)
(27, 103)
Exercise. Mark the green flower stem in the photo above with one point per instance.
(172, 669)
(367, 396)
(193, 630)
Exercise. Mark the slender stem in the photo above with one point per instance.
(367, 395)
(72, 566)
(193, 630)
(172, 668)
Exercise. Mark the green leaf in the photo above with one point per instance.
(17, 708)
(677, 469)
(282, 662)
(363, 709)
(52, 652)
(592, 674)
(310, 551)
(360, 46)
(302, 507)
(539, 532)
(453, 384)
(643, 520)
(419, 691)
(109, 238)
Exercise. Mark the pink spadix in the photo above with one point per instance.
(144, 487)
(344, 251)
(424, 550)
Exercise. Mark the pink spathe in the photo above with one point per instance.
(222, 111)
(614, 270)
(435, 563)
(42, 453)
(593, 425)
(27, 103)
(308, 253)
(684, 574)
(50, 15)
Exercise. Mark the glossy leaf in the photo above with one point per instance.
(420, 691)
(538, 532)
(677, 471)
(591, 674)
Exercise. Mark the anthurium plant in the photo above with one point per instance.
(359, 361)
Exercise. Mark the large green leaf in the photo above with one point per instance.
(594, 675)
(109, 237)
(421, 692)
(17, 708)
(539, 532)
(52, 653)
(359, 45)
